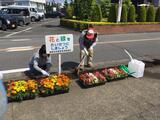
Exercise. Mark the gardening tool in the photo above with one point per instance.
(77, 70)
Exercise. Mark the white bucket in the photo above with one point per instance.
(135, 67)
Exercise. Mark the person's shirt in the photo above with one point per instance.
(84, 42)
(37, 61)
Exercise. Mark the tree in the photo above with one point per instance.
(65, 3)
(76, 7)
(105, 5)
(113, 13)
(158, 15)
(151, 14)
(142, 14)
(96, 14)
(132, 14)
(69, 12)
(124, 13)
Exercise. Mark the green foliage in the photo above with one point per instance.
(132, 14)
(76, 6)
(105, 6)
(124, 13)
(151, 14)
(69, 12)
(65, 3)
(127, 2)
(96, 14)
(142, 14)
(158, 15)
(113, 13)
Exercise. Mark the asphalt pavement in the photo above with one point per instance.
(127, 99)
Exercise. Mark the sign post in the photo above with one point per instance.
(59, 64)
(58, 44)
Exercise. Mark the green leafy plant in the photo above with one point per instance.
(142, 14)
(151, 14)
(132, 14)
(124, 13)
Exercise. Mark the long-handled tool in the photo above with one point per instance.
(84, 56)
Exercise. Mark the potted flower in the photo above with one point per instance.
(21, 90)
(91, 79)
(113, 73)
(54, 84)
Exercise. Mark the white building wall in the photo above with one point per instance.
(34, 3)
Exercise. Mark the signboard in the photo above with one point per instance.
(59, 43)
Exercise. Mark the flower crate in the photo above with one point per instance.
(114, 73)
(21, 90)
(56, 84)
(92, 79)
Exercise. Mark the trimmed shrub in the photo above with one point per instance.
(113, 13)
(96, 14)
(69, 12)
(151, 14)
(124, 13)
(158, 15)
(132, 14)
(142, 14)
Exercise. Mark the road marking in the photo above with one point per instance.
(19, 40)
(14, 33)
(14, 70)
(99, 43)
(16, 49)
(97, 63)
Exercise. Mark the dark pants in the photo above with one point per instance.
(45, 67)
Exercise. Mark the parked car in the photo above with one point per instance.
(55, 15)
(21, 15)
(7, 24)
(40, 12)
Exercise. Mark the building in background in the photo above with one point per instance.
(6, 2)
(34, 3)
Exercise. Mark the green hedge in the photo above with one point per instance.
(80, 25)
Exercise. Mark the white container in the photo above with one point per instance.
(135, 67)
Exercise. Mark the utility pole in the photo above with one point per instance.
(119, 11)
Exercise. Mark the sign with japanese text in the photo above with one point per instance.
(59, 43)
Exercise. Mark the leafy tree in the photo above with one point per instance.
(113, 13)
(69, 12)
(158, 15)
(65, 3)
(105, 5)
(96, 14)
(142, 14)
(151, 14)
(76, 7)
(132, 14)
(124, 13)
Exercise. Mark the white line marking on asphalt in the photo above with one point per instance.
(98, 63)
(99, 43)
(14, 70)
(14, 49)
(18, 32)
(19, 40)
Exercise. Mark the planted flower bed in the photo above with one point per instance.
(21, 90)
(55, 84)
